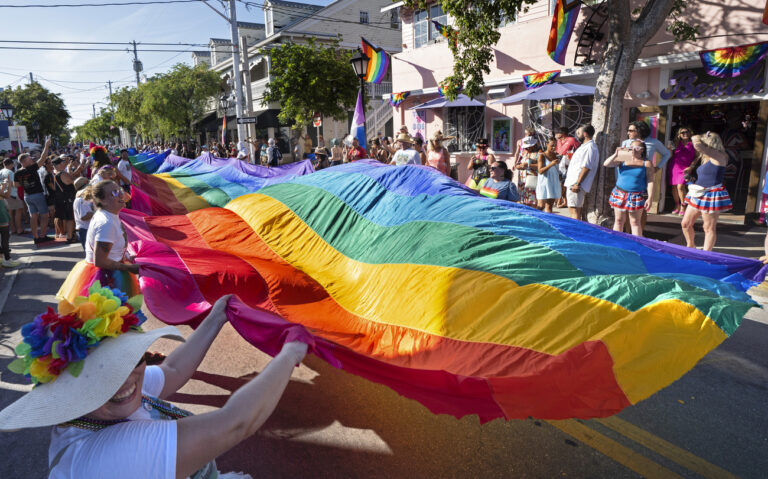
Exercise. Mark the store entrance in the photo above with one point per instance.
(736, 123)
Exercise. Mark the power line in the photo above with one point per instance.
(94, 49)
(110, 4)
(106, 43)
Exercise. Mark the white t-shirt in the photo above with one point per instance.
(586, 156)
(82, 208)
(6, 174)
(105, 227)
(141, 447)
(124, 167)
(406, 157)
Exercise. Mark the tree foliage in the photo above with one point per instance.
(168, 102)
(308, 78)
(34, 103)
(97, 129)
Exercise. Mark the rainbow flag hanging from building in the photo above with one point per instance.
(442, 29)
(395, 99)
(378, 63)
(535, 80)
(731, 62)
(563, 21)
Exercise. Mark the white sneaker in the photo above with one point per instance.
(7, 263)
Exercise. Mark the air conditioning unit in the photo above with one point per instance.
(497, 93)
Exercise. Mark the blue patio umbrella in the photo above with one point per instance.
(550, 91)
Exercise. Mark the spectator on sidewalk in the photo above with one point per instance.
(5, 232)
(273, 154)
(34, 194)
(124, 168)
(64, 197)
(581, 171)
(406, 155)
(356, 152)
(15, 205)
(83, 208)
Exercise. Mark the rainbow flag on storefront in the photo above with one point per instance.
(563, 22)
(731, 62)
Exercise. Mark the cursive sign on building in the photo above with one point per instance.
(697, 84)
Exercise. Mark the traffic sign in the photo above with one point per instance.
(247, 119)
(317, 121)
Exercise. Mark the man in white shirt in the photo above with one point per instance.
(581, 171)
(406, 155)
(124, 167)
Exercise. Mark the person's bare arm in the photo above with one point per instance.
(182, 363)
(101, 259)
(44, 154)
(650, 172)
(611, 160)
(202, 438)
(718, 157)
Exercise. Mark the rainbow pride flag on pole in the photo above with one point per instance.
(378, 63)
(731, 62)
(563, 21)
(395, 99)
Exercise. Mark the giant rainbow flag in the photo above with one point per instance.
(180, 185)
(466, 304)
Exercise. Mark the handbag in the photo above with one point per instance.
(531, 181)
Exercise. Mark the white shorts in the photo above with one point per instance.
(575, 200)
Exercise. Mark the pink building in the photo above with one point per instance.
(669, 87)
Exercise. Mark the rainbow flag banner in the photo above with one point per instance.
(378, 62)
(731, 62)
(441, 89)
(442, 29)
(535, 80)
(180, 185)
(563, 22)
(493, 308)
(395, 99)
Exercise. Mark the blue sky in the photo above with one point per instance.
(56, 70)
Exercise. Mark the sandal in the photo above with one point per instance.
(676, 212)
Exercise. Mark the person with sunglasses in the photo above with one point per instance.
(500, 186)
(633, 192)
(682, 158)
(106, 260)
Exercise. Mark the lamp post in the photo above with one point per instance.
(36, 127)
(360, 64)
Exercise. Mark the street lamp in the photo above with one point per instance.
(360, 64)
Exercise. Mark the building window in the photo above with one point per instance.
(394, 18)
(364, 18)
(424, 31)
(466, 125)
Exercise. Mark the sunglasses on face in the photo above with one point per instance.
(117, 193)
(631, 130)
(685, 132)
(638, 148)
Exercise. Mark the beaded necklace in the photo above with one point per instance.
(167, 409)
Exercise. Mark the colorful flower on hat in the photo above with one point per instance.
(61, 339)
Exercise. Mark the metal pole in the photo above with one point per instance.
(94, 110)
(135, 63)
(248, 93)
(236, 70)
(110, 90)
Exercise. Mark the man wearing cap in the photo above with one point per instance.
(405, 155)
(107, 404)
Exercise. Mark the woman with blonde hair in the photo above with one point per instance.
(437, 156)
(707, 197)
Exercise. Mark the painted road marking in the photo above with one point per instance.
(623, 455)
(664, 448)
(635, 461)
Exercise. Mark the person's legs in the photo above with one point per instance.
(43, 225)
(81, 234)
(635, 222)
(58, 227)
(676, 196)
(16, 214)
(575, 202)
(33, 219)
(681, 191)
(69, 229)
(620, 217)
(5, 243)
(689, 219)
(548, 204)
(710, 229)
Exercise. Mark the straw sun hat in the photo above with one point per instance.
(405, 138)
(103, 346)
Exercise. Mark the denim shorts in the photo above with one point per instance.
(36, 203)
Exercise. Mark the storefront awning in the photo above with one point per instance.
(550, 91)
(461, 100)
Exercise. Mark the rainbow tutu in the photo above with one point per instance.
(84, 274)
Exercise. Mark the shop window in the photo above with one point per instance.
(466, 125)
(364, 18)
(394, 18)
(424, 30)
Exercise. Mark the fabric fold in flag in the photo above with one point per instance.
(563, 22)
(378, 62)
(525, 313)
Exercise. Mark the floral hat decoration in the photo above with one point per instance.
(59, 340)
(79, 356)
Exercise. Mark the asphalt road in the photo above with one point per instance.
(711, 423)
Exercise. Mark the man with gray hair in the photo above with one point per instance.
(34, 195)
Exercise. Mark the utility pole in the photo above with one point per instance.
(31, 78)
(94, 110)
(137, 66)
(232, 20)
(110, 90)
(248, 94)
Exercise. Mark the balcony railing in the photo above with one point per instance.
(373, 90)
